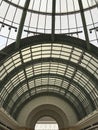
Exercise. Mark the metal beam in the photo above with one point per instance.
(75, 70)
(45, 94)
(43, 39)
(17, 44)
(57, 60)
(53, 18)
(82, 90)
(23, 67)
(49, 13)
(18, 102)
(84, 24)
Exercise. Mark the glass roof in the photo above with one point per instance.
(39, 19)
(46, 5)
(46, 47)
(56, 67)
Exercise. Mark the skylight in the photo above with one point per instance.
(39, 19)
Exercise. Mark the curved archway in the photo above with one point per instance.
(47, 110)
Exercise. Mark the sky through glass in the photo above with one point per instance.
(63, 65)
(39, 19)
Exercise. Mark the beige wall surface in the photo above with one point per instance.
(61, 104)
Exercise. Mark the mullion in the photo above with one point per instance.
(71, 98)
(60, 17)
(46, 16)
(17, 75)
(87, 65)
(33, 68)
(67, 16)
(56, 72)
(59, 57)
(10, 83)
(5, 14)
(1, 100)
(12, 24)
(24, 72)
(94, 95)
(16, 93)
(67, 65)
(80, 95)
(30, 17)
(50, 60)
(92, 21)
(53, 19)
(41, 62)
(38, 16)
(75, 71)
(75, 19)
(7, 37)
(84, 24)
(84, 87)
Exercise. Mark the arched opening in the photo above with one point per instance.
(46, 123)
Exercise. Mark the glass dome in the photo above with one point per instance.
(49, 47)
(48, 17)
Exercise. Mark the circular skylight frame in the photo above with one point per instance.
(41, 22)
(20, 4)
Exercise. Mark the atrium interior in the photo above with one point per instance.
(48, 64)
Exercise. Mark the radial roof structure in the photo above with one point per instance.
(49, 47)
(46, 17)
